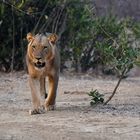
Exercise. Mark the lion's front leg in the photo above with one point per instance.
(36, 98)
(50, 101)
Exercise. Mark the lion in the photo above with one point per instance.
(43, 60)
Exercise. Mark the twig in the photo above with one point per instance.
(20, 10)
(115, 89)
(36, 26)
(58, 19)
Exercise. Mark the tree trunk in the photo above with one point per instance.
(13, 49)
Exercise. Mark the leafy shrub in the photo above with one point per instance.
(85, 39)
(96, 97)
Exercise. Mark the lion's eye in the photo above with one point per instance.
(33, 46)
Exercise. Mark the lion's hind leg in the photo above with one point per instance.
(50, 101)
(43, 88)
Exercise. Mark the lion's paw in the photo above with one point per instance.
(50, 107)
(40, 110)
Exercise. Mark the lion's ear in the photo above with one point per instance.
(53, 38)
(29, 37)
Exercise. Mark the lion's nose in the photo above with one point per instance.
(38, 58)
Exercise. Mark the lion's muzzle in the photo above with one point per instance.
(39, 64)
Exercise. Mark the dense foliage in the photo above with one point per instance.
(85, 40)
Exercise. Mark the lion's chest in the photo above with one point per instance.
(37, 72)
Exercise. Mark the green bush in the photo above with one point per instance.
(84, 39)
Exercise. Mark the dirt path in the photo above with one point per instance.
(73, 119)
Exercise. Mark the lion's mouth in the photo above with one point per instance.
(39, 64)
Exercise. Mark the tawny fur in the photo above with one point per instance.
(43, 61)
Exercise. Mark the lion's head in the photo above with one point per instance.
(41, 49)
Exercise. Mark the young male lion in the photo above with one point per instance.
(42, 60)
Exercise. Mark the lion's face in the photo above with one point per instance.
(40, 49)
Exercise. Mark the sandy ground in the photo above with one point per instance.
(74, 118)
